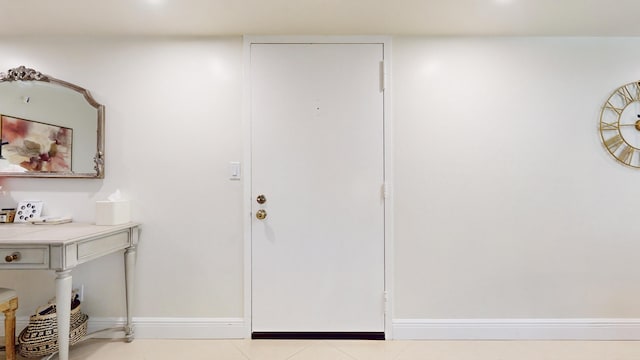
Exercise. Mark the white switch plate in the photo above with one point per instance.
(234, 170)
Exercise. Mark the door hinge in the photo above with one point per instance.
(386, 190)
(386, 301)
(383, 76)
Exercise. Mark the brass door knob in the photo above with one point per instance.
(13, 257)
(261, 199)
(261, 214)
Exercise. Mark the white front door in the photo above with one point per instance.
(317, 155)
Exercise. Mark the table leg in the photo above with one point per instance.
(63, 309)
(129, 270)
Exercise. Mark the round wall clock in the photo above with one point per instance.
(620, 124)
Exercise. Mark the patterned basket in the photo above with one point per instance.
(40, 337)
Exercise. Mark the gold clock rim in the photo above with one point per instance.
(601, 130)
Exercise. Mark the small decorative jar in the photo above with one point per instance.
(7, 215)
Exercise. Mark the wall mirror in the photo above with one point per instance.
(49, 127)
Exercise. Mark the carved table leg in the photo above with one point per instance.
(129, 269)
(63, 309)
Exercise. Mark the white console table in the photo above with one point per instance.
(63, 247)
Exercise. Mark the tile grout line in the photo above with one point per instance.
(342, 351)
(308, 345)
(239, 349)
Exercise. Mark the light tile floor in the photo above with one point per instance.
(143, 349)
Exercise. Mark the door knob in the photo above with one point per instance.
(261, 214)
(261, 199)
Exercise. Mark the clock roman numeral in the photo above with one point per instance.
(610, 106)
(636, 90)
(613, 143)
(626, 155)
(609, 126)
(624, 93)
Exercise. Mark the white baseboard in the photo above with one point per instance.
(516, 329)
(403, 329)
(168, 328)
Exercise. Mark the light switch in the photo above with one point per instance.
(234, 170)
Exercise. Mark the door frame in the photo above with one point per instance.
(388, 160)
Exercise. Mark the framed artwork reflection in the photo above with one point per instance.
(31, 145)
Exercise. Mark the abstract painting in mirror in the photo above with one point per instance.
(49, 127)
(35, 146)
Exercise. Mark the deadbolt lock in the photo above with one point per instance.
(261, 199)
(261, 214)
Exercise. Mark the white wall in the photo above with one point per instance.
(506, 204)
(173, 122)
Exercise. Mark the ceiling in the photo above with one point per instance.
(321, 17)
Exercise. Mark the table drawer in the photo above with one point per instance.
(99, 247)
(23, 257)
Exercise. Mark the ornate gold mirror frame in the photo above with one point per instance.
(49, 127)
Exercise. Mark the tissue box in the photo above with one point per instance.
(112, 212)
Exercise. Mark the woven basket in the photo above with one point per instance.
(40, 337)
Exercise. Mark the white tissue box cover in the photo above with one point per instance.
(112, 212)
